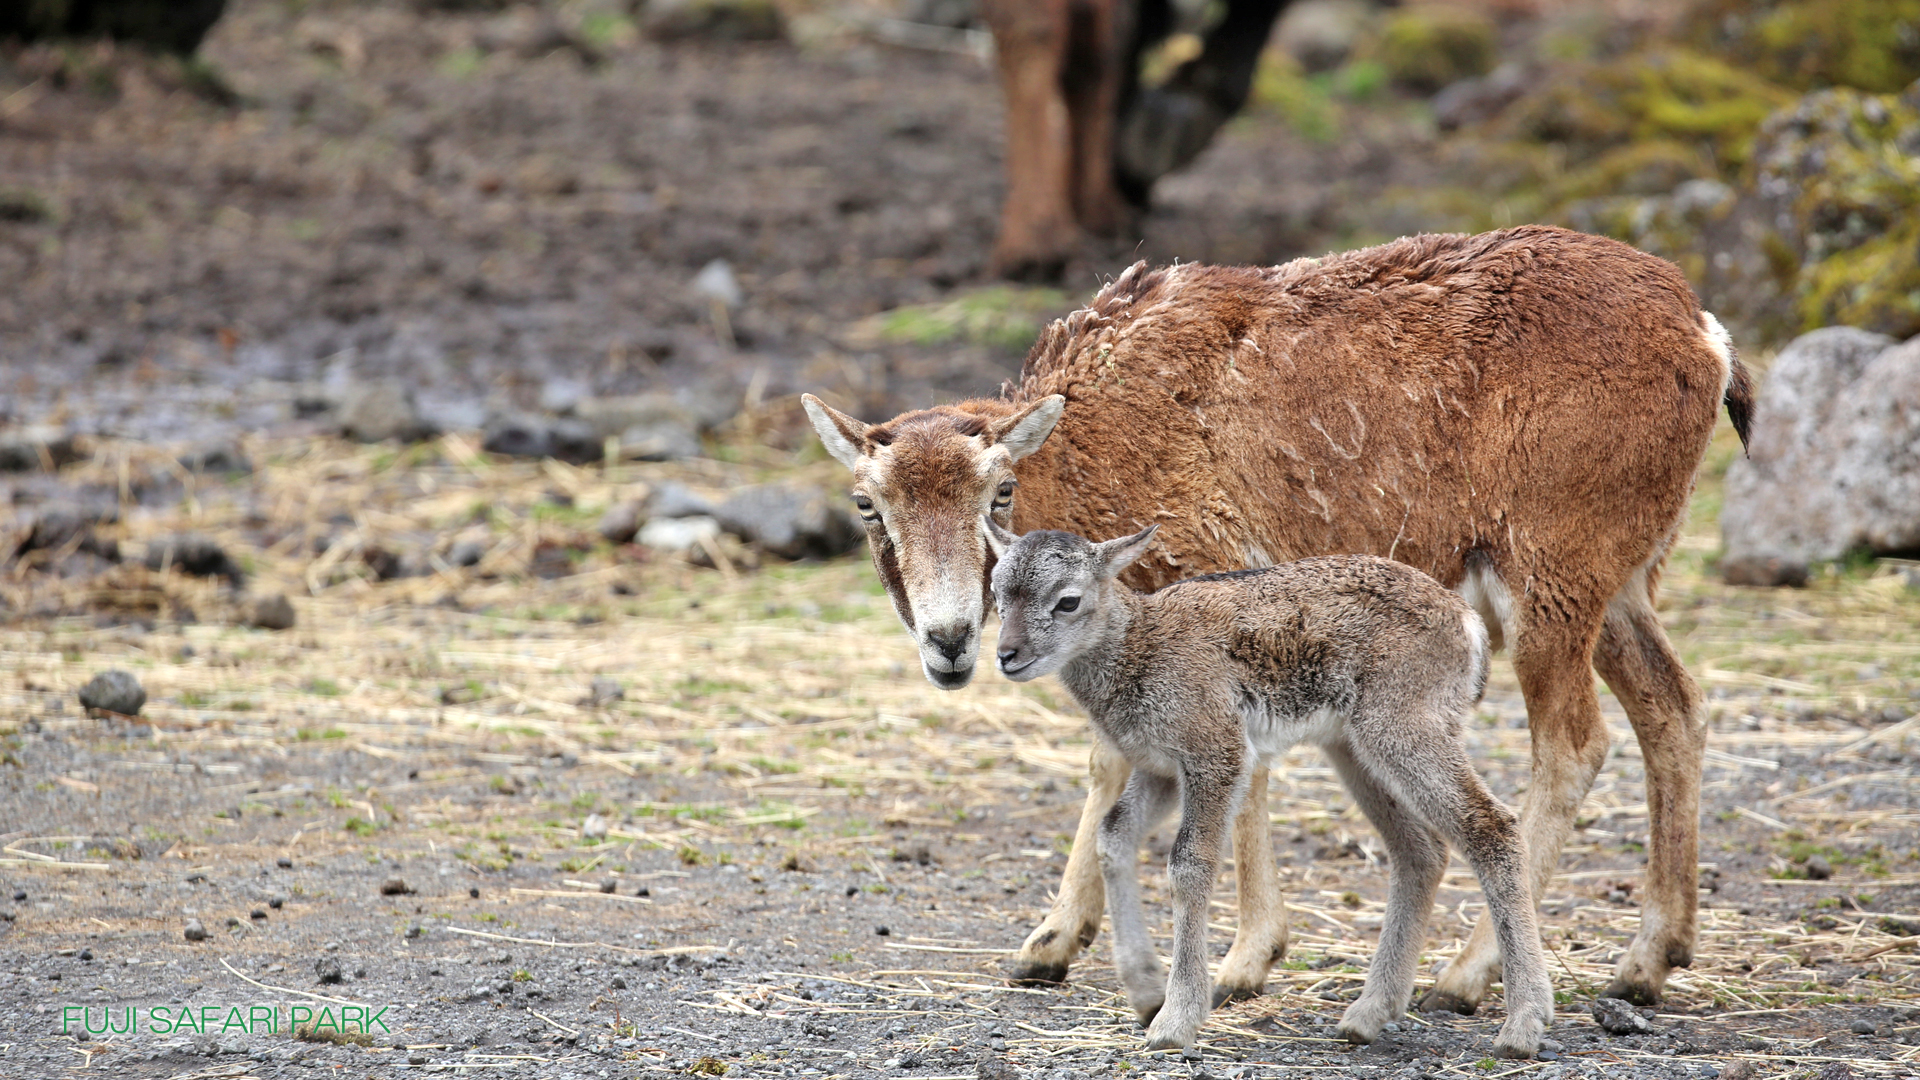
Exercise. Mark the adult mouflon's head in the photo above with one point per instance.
(921, 482)
(1051, 589)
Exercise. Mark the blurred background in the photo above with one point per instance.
(515, 207)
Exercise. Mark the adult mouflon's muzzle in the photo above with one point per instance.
(947, 654)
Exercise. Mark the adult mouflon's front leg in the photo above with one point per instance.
(1146, 800)
(1074, 920)
(1210, 794)
(1260, 938)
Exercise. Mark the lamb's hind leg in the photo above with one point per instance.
(1074, 920)
(1145, 801)
(1438, 782)
(1663, 703)
(1260, 940)
(1416, 861)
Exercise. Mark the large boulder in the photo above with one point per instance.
(1835, 463)
(792, 520)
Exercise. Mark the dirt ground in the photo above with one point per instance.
(811, 860)
(777, 851)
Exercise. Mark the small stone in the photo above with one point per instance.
(1619, 1018)
(1835, 1070)
(114, 691)
(327, 971)
(619, 982)
(272, 613)
(395, 887)
(216, 458)
(19, 895)
(86, 954)
(257, 913)
(1818, 868)
(611, 886)
(594, 828)
(190, 553)
(195, 931)
(275, 902)
(621, 521)
(1861, 1027)
(283, 863)
(1553, 1045)
(882, 931)
(416, 931)
(474, 893)
(417, 1058)
(380, 410)
(603, 692)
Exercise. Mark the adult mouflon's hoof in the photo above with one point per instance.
(1441, 1001)
(1031, 974)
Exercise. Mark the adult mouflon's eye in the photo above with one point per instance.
(1004, 497)
(865, 506)
(1067, 603)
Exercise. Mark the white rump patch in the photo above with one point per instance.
(1721, 343)
(1483, 589)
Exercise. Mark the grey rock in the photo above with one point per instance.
(395, 887)
(56, 527)
(1470, 101)
(191, 553)
(621, 521)
(1818, 868)
(194, 931)
(594, 828)
(272, 613)
(1861, 1027)
(1321, 34)
(666, 440)
(1835, 458)
(792, 520)
(528, 435)
(675, 500)
(114, 691)
(956, 14)
(466, 553)
(327, 972)
(220, 457)
(379, 410)
(1617, 1017)
(603, 692)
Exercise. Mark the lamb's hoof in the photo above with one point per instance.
(1519, 1037)
(1030, 973)
(1442, 1001)
(1224, 994)
(1362, 1022)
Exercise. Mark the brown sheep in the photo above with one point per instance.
(1518, 414)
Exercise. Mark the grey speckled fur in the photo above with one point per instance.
(1199, 684)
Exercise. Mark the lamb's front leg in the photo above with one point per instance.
(1145, 800)
(1211, 792)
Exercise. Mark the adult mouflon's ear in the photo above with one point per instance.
(999, 538)
(844, 437)
(1117, 555)
(1024, 431)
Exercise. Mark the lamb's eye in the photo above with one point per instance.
(1067, 603)
(1004, 497)
(865, 506)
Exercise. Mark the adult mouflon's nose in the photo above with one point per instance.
(951, 643)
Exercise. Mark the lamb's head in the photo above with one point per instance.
(921, 482)
(1054, 591)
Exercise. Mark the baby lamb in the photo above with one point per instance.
(1371, 660)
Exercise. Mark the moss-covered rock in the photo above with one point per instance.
(1425, 47)
(1871, 45)
(1592, 108)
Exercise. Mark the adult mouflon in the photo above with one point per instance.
(1518, 413)
(1202, 684)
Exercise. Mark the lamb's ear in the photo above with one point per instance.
(1116, 555)
(1024, 431)
(844, 437)
(999, 538)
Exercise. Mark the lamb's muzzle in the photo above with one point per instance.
(1205, 682)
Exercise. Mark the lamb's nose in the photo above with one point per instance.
(1008, 656)
(951, 643)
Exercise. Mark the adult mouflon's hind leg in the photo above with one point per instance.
(1416, 861)
(1260, 938)
(1554, 660)
(1638, 663)
(1074, 920)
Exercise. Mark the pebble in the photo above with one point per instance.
(327, 971)
(395, 887)
(195, 931)
(114, 691)
(1862, 1027)
(417, 1058)
(619, 524)
(272, 613)
(283, 863)
(1619, 1018)
(190, 553)
(1818, 868)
